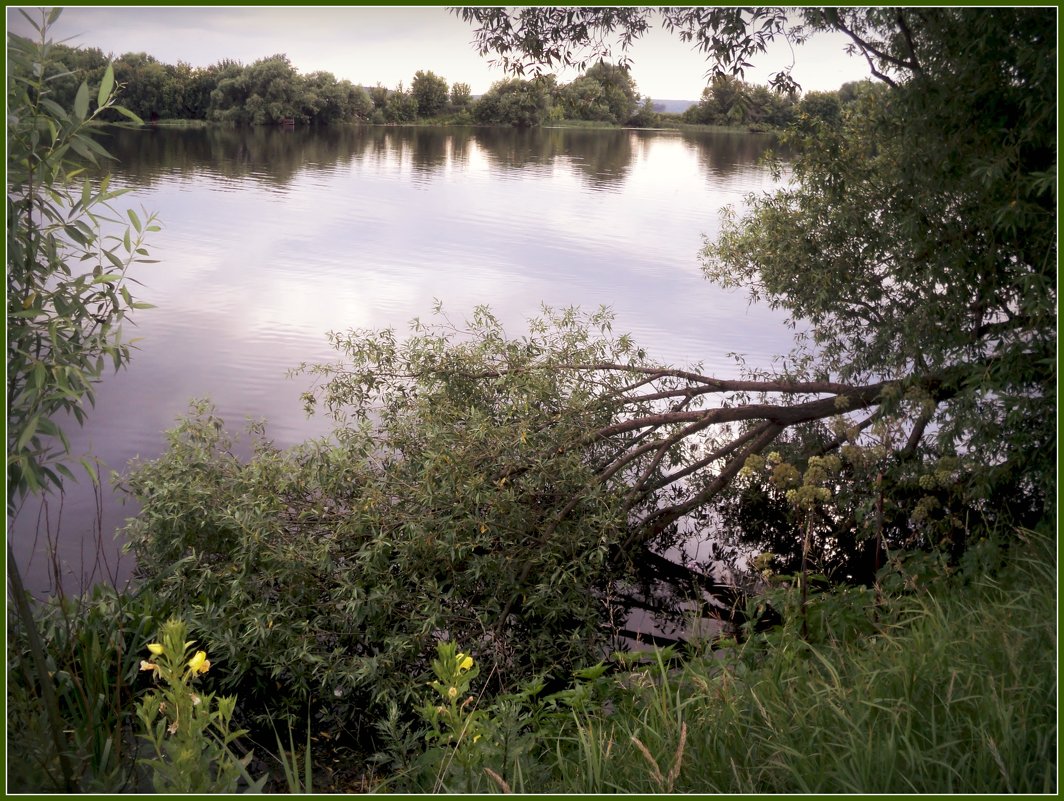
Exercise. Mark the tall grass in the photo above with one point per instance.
(955, 693)
(92, 649)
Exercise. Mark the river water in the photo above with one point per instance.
(273, 237)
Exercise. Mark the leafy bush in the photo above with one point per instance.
(451, 503)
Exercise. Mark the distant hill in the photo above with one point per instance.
(673, 106)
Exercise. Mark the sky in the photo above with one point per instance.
(386, 45)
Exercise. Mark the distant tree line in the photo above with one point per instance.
(267, 91)
(271, 90)
(727, 100)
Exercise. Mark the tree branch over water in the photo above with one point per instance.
(666, 441)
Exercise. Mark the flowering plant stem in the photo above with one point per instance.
(188, 729)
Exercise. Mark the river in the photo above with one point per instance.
(273, 237)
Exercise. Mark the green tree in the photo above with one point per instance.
(229, 94)
(401, 106)
(725, 101)
(645, 116)
(618, 89)
(522, 104)
(144, 80)
(584, 99)
(274, 91)
(460, 96)
(430, 92)
(825, 106)
(918, 237)
(327, 100)
(83, 64)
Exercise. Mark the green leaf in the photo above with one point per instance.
(54, 109)
(108, 278)
(133, 218)
(106, 85)
(81, 101)
(27, 433)
(111, 257)
(125, 112)
(30, 474)
(91, 470)
(79, 146)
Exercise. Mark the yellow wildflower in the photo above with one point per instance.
(465, 663)
(155, 648)
(199, 663)
(452, 692)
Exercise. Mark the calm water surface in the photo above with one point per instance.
(272, 238)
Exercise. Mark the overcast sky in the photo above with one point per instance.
(370, 45)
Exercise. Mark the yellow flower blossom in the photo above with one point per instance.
(452, 692)
(199, 663)
(465, 663)
(155, 648)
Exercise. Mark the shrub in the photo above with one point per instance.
(449, 504)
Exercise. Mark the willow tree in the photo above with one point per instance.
(916, 237)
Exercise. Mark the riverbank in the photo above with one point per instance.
(458, 120)
(936, 682)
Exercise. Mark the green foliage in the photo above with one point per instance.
(188, 729)
(645, 116)
(68, 257)
(729, 101)
(522, 104)
(91, 646)
(942, 684)
(460, 96)
(450, 501)
(430, 92)
(401, 107)
(918, 239)
(605, 92)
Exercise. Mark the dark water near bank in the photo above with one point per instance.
(271, 238)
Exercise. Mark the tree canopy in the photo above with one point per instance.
(916, 238)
